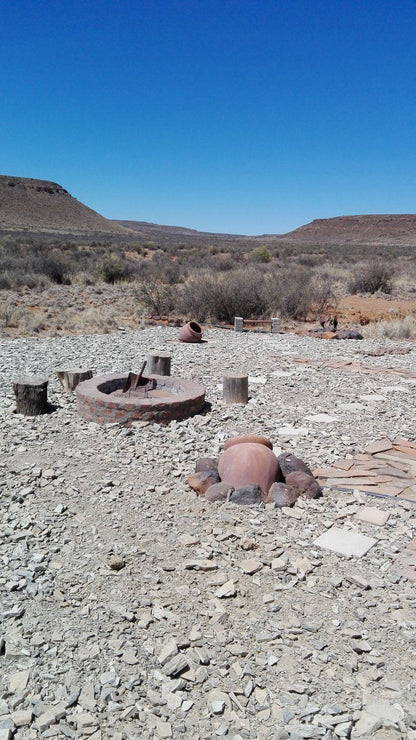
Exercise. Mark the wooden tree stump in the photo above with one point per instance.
(235, 388)
(70, 378)
(159, 364)
(31, 393)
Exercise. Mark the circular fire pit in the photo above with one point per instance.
(158, 398)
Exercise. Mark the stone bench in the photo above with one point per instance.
(240, 323)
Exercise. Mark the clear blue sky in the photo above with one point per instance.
(233, 116)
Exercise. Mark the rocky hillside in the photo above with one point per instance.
(376, 230)
(43, 206)
(40, 206)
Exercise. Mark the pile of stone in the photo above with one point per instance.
(249, 473)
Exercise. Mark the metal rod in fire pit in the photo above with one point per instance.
(133, 379)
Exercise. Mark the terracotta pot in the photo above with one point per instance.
(248, 463)
(244, 438)
(191, 332)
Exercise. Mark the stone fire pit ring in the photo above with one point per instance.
(101, 400)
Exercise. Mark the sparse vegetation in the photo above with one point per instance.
(111, 269)
(370, 278)
(261, 254)
(393, 329)
(220, 298)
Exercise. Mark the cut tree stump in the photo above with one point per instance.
(31, 393)
(70, 378)
(159, 364)
(235, 388)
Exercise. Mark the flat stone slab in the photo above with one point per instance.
(372, 515)
(387, 468)
(345, 542)
(322, 418)
(353, 407)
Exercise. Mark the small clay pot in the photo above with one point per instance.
(244, 438)
(191, 332)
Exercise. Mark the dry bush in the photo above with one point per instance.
(297, 293)
(157, 297)
(372, 277)
(10, 315)
(393, 329)
(31, 265)
(222, 297)
(99, 320)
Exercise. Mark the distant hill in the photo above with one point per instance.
(375, 230)
(43, 206)
(46, 208)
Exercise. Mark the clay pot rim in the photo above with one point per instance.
(248, 439)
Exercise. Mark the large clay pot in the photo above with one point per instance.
(249, 463)
(244, 438)
(191, 332)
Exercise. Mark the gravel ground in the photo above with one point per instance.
(132, 609)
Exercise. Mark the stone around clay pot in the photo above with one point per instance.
(289, 463)
(244, 438)
(304, 484)
(204, 464)
(248, 463)
(200, 482)
(191, 332)
(353, 334)
(328, 335)
(250, 495)
(280, 494)
(218, 492)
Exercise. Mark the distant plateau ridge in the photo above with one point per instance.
(37, 207)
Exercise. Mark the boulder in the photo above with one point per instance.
(218, 492)
(200, 482)
(205, 464)
(305, 484)
(346, 334)
(250, 495)
(281, 494)
(289, 463)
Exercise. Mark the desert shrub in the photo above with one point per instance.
(111, 269)
(221, 298)
(371, 278)
(9, 314)
(50, 266)
(310, 260)
(393, 329)
(296, 293)
(157, 297)
(167, 270)
(261, 254)
(219, 263)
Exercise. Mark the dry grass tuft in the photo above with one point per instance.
(393, 329)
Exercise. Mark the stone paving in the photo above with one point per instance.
(387, 469)
(351, 366)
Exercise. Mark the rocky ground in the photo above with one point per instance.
(132, 609)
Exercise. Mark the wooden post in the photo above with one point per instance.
(235, 388)
(159, 364)
(31, 394)
(238, 323)
(70, 378)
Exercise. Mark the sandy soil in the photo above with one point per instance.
(364, 309)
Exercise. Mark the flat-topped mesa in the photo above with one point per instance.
(28, 204)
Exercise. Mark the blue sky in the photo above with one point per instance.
(221, 115)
